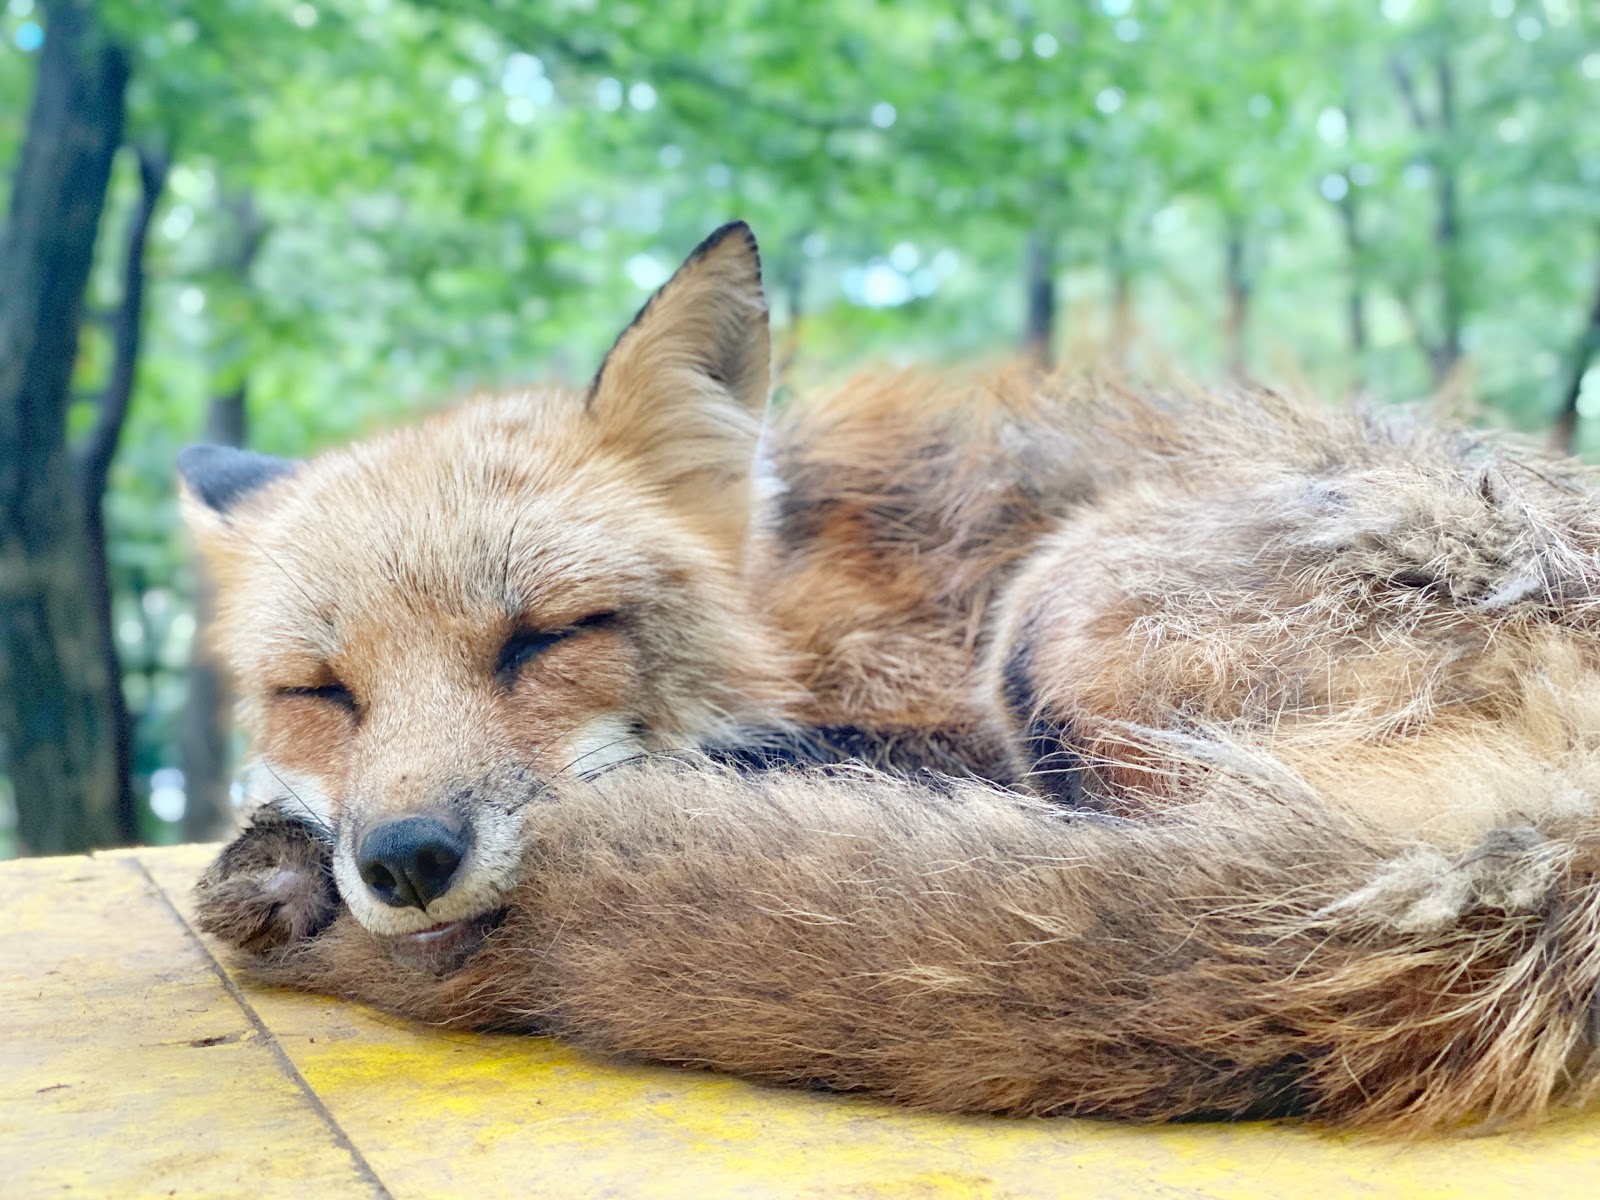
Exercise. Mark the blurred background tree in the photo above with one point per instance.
(323, 215)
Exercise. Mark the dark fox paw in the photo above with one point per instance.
(271, 887)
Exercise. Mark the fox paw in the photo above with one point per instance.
(271, 887)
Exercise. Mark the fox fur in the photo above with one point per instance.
(1228, 755)
(1249, 953)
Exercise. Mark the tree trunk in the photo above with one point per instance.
(93, 462)
(1447, 230)
(56, 715)
(204, 740)
(1355, 258)
(1444, 353)
(1121, 303)
(1355, 300)
(791, 279)
(1238, 284)
(1584, 352)
(1038, 338)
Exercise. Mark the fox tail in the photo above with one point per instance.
(955, 946)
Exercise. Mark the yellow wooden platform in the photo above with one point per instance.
(132, 1064)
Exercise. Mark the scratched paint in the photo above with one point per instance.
(437, 1113)
(126, 1069)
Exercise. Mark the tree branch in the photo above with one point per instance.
(127, 321)
(1408, 93)
(519, 24)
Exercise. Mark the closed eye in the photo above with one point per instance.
(525, 645)
(330, 693)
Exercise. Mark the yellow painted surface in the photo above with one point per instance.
(126, 1067)
(130, 1066)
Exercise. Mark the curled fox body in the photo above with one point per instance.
(1219, 756)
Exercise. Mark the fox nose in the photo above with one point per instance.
(409, 863)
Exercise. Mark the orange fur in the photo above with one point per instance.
(1247, 953)
(1316, 694)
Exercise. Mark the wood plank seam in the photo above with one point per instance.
(363, 1168)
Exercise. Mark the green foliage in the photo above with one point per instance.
(461, 193)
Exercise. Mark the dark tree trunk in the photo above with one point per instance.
(205, 737)
(1239, 291)
(1447, 231)
(1355, 259)
(1444, 352)
(1355, 300)
(227, 418)
(791, 278)
(1121, 303)
(56, 715)
(1039, 332)
(204, 743)
(1584, 352)
(93, 462)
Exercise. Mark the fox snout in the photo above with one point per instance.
(404, 864)
(411, 862)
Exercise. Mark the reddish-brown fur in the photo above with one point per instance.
(1317, 694)
(975, 951)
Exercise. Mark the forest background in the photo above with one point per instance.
(280, 223)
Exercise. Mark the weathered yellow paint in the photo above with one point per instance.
(431, 1113)
(126, 1068)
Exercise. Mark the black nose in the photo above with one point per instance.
(410, 862)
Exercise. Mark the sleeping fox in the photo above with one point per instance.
(996, 743)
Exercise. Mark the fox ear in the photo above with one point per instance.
(215, 480)
(220, 476)
(684, 389)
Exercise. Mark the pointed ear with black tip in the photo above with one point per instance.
(220, 476)
(683, 392)
(216, 480)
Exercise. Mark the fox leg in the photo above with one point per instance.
(272, 886)
(1066, 677)
(271, 898)
(1135, 633)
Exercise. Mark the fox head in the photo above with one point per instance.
(427, 625)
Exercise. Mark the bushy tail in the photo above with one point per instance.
(965, 949)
